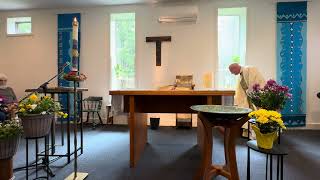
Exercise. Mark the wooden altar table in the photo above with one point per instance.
(138, 102)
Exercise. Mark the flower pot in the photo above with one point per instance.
(264, 141)
(8, 147)
(37, 125)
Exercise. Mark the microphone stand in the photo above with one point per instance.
(44, 86)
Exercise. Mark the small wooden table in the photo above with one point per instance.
(137, 102)
(232, 122)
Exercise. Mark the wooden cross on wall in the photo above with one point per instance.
(158, 40)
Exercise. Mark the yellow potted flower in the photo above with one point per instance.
(266, 127)
(37, 114)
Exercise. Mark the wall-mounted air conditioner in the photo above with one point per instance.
(178, 19)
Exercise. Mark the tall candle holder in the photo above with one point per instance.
(76, 175)
(75, 76)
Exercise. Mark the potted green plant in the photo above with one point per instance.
(37, 114)
(267, 124)
(10, 133)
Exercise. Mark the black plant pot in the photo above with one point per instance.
(154, 123)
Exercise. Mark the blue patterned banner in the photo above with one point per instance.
(65, 44)
(291, 58)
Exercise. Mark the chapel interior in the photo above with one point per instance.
(159, 89)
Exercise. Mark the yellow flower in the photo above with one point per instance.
(65, 115)
(275, 114)
(22, 110)
(251, 114)
(263, 116)
(28, 106)
(34, 97)
(262, 119)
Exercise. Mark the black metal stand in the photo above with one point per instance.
(277, 150)
(45, 162)
(46, 157)
(53, 144)
(75, 175)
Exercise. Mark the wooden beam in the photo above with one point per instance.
(158, 38)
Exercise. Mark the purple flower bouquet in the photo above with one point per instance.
(271, 97)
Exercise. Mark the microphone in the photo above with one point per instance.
(65, 65)
(45, 84)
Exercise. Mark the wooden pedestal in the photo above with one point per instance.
(208, 170)
(6, 171)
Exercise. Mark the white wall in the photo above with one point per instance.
(30, 60)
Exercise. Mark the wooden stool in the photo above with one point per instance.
(232, 124)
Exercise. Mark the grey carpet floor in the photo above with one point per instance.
(172, 155)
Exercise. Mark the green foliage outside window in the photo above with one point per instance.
(24, 27)
(236, 59)
(125, 45)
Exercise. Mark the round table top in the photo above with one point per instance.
(221, 111)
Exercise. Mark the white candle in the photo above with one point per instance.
(75, 27)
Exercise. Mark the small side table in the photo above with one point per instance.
(277, 150)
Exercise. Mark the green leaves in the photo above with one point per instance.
(10, 128)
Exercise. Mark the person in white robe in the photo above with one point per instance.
(247, 77)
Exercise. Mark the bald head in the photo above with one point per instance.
(235, 68)
(3, 80)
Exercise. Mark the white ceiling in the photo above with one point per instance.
(47, 4)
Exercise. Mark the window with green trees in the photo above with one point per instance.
(122, 50)
(19, 26)
(231, 43)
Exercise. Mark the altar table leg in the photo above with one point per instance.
(138, 133)
(6, 171)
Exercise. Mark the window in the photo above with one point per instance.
(231, 44)
(122, 50)
(19, 26)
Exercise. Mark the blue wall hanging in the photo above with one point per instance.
(292, 58)
(65, 53)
